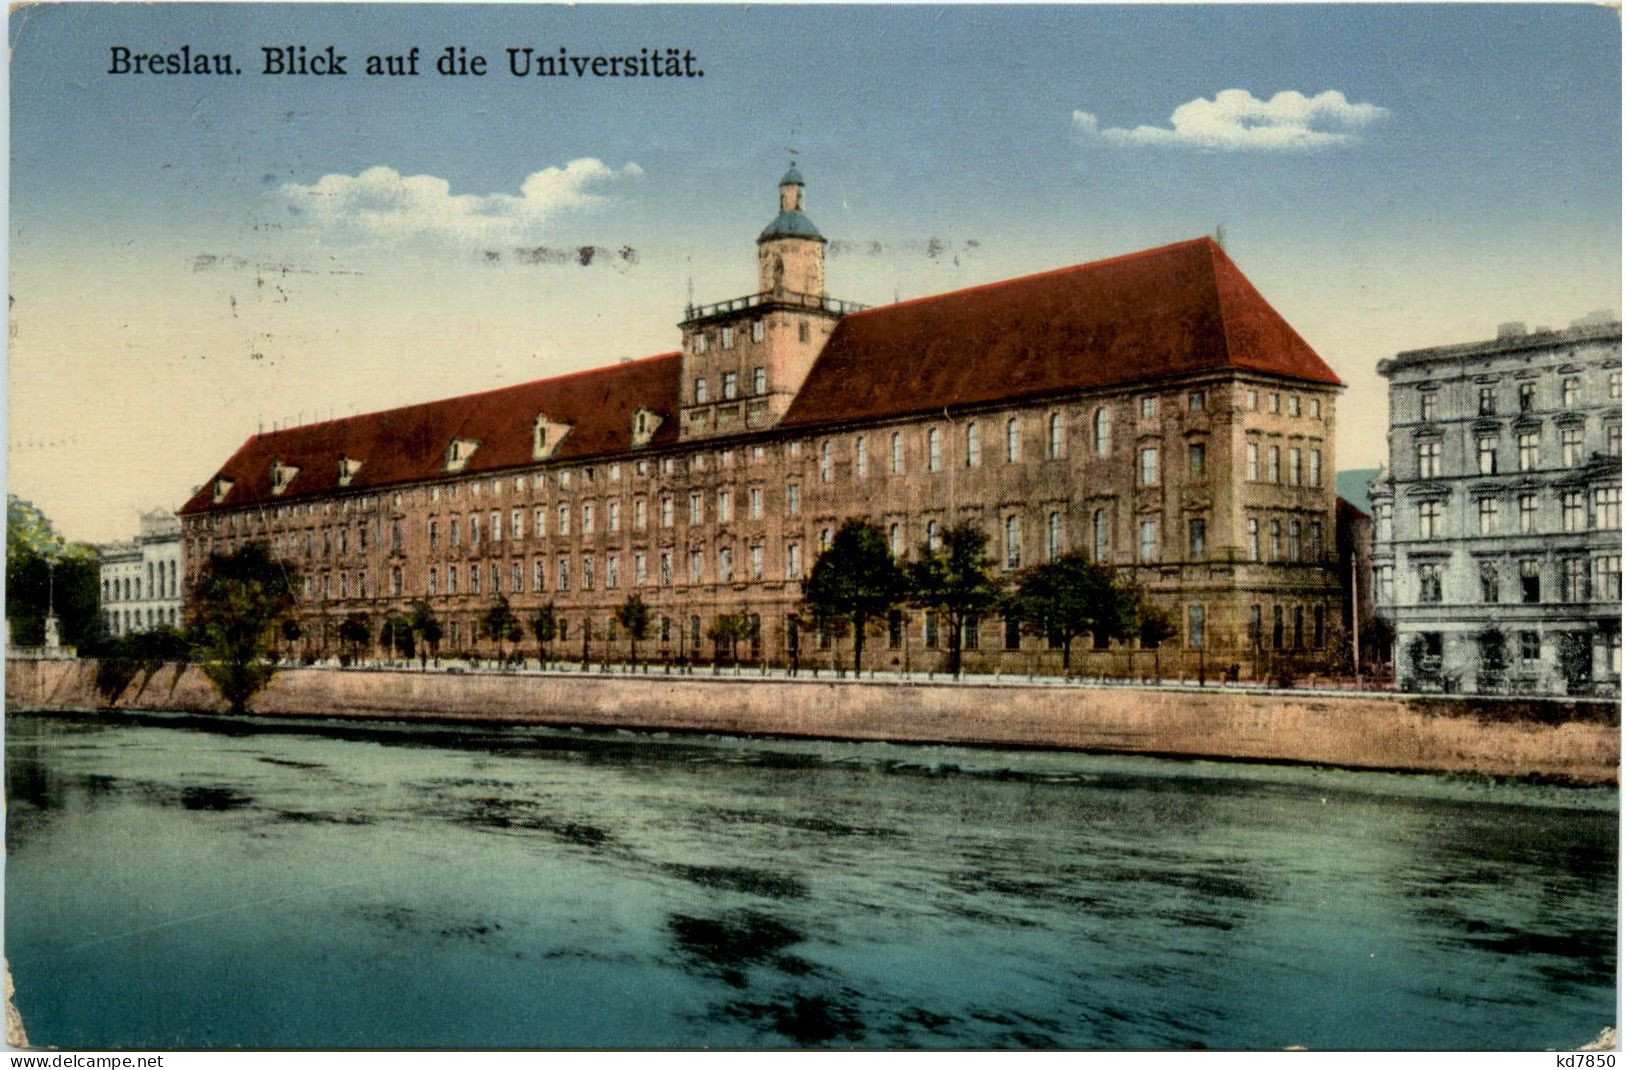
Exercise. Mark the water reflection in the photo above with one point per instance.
(376, 885)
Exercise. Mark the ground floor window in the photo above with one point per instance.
(894, 629)
(931, 627)
(973, 632)
(1196, 634)
(1529, 646)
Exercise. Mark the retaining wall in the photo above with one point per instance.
(1567, 740)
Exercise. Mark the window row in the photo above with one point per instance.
(1579, 579)
(1264, 465)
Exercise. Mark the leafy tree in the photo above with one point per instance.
(43, 571)
(355, 631)
(500, 624)
(544, 625)
(633, 615)
(291, 634)
(726, 631)
(233, 604)
(855, 580)
(396, 634)
(1574, 661)
(1072, 596)
(956, 579)
(426, 626)
(1154, 626)
(1493, 656)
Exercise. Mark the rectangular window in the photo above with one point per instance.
(564, 518)
(792, 500)
(1574, 510)
(1314, 468)
(1526, 397)
(860, 462)
(1385, 584)
(561, 574)
(1489, 581)
(1571, 392)
(516, 524)
(1608, 577)
(930, 628)
(1529, 646)
(758, 331)
(1198, 537)
(1429, 519)
(1427, 459)
(538, 522)
(1315, 540)
(1294, 540)
(473, 579)
(1527, 511)
(696, 507)
(971, 637)
(1576, 580)
(665, 568)
(614, 517)
(451, 580)
(640, 514)
(1606, 500)
(587, 572)
(696, 566)
(792, 561)
(538, 577)
(725, 506)
(1148, 540)
(700, 397)
(1148, 466)
(1489, 516)
(434, 534)
(1487, 454)
(1012, 441)
(933, 450)
(1529, 580)
(973, 446)
(1148, 408)
(612, 571)
(730, 384)
(756, 561)
(666, 511)
(759, 376)
(1294, 466)
(473, 530)
(1252, 461)
(434, 582)
(1429, 582)
(896, 453)
(1429, 407)
(1252, 400)
(1275, 540)
(1275, 464)
(1252, 539)
(587, 523)
(1275, 402)
(1197, 632)
(1196, 458)
(1573, 440)
(640, 568)
(1486, 401)
(1196, 401)
(826, 464)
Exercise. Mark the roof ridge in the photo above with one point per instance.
(997, 284)
(378, 413)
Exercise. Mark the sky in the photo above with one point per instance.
(195, 258)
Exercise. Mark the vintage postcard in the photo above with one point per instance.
(776, 527)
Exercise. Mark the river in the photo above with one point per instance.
(191, 882)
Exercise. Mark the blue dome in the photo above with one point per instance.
(792, 177)
(792, 224)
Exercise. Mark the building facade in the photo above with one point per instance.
(141, 582)
(1151, 410)
(1497, 521)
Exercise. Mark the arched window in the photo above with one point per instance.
(1012, 542)
(1102, 536)
(973, 446)
(1056, 429)
(1103, 432)
(896, 452)
(933, 450)
(1012, 441)
(1054, 541)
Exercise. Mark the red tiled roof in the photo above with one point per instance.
(1170, 311)
(408, 444)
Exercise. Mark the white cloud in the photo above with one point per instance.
(1235, 120)
(381, 202)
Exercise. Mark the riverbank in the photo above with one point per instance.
(1565, 740)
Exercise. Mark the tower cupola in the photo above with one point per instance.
(790, 252)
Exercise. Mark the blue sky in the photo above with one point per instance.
(199, 256)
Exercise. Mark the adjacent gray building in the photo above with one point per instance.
(1497, 551)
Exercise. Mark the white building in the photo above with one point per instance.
(142, 585)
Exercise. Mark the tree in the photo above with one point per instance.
(633, 615)
(291, 634)
(500, 624)
(855, 580)
(1072, 596)
(1493, 657)
(396, 634)
(1154, 626)
(726, 630)
(355, 631)
(1574, 661)
(956, 579)
(45, 571)
(544, 624)
(427, 627)
(234, 602)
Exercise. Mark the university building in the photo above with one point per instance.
(1497, 523)
(1151, 410)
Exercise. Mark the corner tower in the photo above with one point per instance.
(744, 359)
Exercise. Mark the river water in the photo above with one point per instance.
(176, 882)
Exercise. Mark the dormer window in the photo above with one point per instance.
(546, 436)
(347, 470)
(458, 453)
(281, 476)
(222, 487)
(644, 425)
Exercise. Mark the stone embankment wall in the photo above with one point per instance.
(1566, 740)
